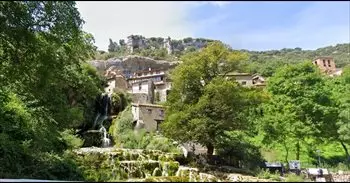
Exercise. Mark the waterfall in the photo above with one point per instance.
(102, 107)
(95, 122)
(105, 141)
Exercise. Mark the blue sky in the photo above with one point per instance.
(243, 25)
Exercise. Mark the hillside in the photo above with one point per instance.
(263, 62)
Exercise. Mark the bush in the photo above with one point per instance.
(124, 135)
(120, 101)
(122, 123)
(162, 143)
(265, 174)
(72, 141)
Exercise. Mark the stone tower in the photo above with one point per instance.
(134, 42)
(130, 44)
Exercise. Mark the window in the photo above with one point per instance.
(244, 82)
(329, 63)
(324, 63)
(149, 111)
(161, 78)
(140, 86)
(161, 113)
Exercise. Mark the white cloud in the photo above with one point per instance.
(117, 20)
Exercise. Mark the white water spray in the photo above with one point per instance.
(105, 141)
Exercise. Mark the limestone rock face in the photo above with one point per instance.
(131, 64)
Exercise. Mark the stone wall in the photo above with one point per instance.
(149, 114)
(139, 97)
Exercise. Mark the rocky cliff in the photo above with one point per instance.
(129, 64)
(171, 45)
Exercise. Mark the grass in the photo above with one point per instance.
(265, 174)
(295, 178)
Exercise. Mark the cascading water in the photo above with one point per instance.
(105, 141)
(102, 107)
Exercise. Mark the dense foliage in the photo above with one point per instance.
(124, 136)
(299, 106)
(267, 62)
(45, 84)
(47, 90)
(203, 104)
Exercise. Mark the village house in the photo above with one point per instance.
(116, 82)
(258, 80)
(247, 79)
(327, 66)
(147, 116)
(153, 83)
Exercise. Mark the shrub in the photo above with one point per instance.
(162, 143)
(124, 135)
(122, 123)
(72, 141)
(265, 174)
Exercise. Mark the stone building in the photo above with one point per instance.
(258, 80)
(147, 116)
(162, 90)
(115, 80)
(154, 83)
(245, 79)
(327, 66)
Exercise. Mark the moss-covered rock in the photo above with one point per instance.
(103, 164)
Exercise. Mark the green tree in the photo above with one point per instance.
(45, 82)
(112, 46)
(339, 128)
(203, 104)
(298, 106)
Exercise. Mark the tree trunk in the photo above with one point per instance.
(287, 152)
(210, 149)
(298, 151)
(346, 151)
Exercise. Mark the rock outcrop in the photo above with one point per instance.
(131, 64)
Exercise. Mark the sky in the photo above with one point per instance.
(250, 25)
